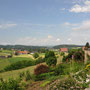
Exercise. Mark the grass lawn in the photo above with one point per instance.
(3, 63)
(7, 61)
(15, 59)
(15, 73)
(42, 54)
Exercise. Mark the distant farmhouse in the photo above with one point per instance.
(63, 49)
(1, 48)
(22, 52)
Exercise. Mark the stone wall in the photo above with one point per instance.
(87, 52)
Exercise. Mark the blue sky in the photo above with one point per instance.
(44, 22)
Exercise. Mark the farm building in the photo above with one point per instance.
(63, 49)
(83, 48)
(22, 52)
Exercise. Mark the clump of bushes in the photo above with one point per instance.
(36, 55)
(11, 84)
(39, 60)
(51, 61)
(77, 55)
(43, 76)
(41, 68)
(19, 65)
(23, 64)
(62, 53)
(27, 76)
(50, 58)
(59, 70)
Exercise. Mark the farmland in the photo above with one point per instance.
(45, 80)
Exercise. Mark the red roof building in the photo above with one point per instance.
(23, 52)
(63, 49)
(83, 48)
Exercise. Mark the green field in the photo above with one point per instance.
(16, 59)
(7, 61)
(3, 63)
(15, 73)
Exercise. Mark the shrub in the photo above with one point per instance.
(50, 58)
(27, 76)
(23, 64)
(21, 75)
(36, 55)
(51, 61)
(65, 58)
(11, 84)
(43, 76)
(41, 69)
(39, 60)
(19, 65)
(78, 55)
(49, 54)
(59, 70)
(62, 54)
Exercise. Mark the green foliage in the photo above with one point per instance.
(62, 54)
(36, 55)
(59, 70)
(49, 54)
(19, 65)
(87, 45)
(76, 54)
(39, 60)
(21, 75)
(11, 84)
(45, 83)
(44, 76)
(22, 63)
(51, 61)
(16, 59)
(50, 58)
(27, 76)
(79, 56)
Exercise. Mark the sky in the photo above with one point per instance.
(44, 22)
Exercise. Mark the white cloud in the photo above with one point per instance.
(69, 24)
(49, 40)
(57, 40)
(85, 25)
(69, 39)
(50, 36)
(79, 34)
(81, 8)
(5, 26)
